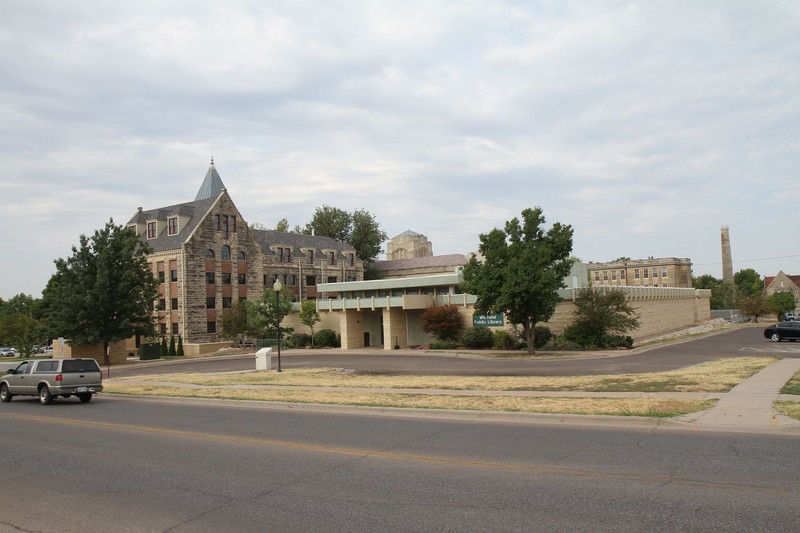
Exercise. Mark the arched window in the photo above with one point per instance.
(210, 254)
(241, 256)
(226, 253)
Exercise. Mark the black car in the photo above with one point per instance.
(783, 330)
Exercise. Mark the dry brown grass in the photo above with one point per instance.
(714, 376)
(651, 407)
(791, 409)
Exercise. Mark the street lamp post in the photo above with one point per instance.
(277, 287)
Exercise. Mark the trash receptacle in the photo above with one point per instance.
(264, 359)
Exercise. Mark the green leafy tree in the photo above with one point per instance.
(282, 225)
(21, 331)
(706, 281)
(522, 270)
(600, 314)
(444, 322)
(104, 292)
(754, 306)
(266, 314)
(180, 346)
(782, 302)
(309, 316)
(359, 229)
(164, 349)
(748, 282)
(172, 352)
(236, 322)
(723, 296)
(22, 303)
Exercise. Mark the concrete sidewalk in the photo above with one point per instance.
(750, 403)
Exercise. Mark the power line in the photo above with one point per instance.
(751, 260)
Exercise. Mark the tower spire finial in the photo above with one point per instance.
(212, 160)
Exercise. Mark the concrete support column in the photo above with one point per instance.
(351, 324)
(395, 328)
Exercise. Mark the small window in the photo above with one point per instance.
(614, 275)
(211, 327)
(173, 276)
(174, 304)
(352, 259)
(161, 277)
(331, 279)
(226, 278)
(162, 304)
(597, 276)
(209, 254)
(233, 224)
(226, 253)
(216, 223)
(209, 278)
(241, 279)
(311, 281)
(292, 280)
(663, 272)
(645, 272)
(162, 328)
(655, 272)
(605, 275)
(211, 302)
(226, 302)
(311, 256)
(621, 274)
(172, 226)
(174, 328)
(280, 255)
(332, 258)
(241, 256)
(225, 227)
(636, 273)
(151, 230)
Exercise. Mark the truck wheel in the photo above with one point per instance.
(85, 397)
(4, 394)
(45, 398)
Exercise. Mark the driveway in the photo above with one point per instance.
(739, 342)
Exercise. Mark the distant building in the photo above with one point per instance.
(783, 283)
(662, 272)
(408, 245)
(420, 266)
(206, 258)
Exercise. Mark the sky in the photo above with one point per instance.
(646, 126)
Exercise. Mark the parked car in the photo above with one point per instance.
(789, 330)
(5, 351)
(48, 378)
(790, 316)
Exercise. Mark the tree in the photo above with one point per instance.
(723, 296)
(359, 229)
(445, 322)
(22, 303)
(748, 282)
(754, 306)
(782, 302)
(236, 322)
(282, 225)
(522, 270)
(21, 331)
(706, 281)
(104, 292)
(601, 313)
(309, 316)
(265, 314)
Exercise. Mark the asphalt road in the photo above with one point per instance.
(127, 464)
(739, 342)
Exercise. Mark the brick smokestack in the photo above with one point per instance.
(727, 261)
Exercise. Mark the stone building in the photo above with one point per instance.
(783, 283)
(408, 245)
(206, 257)
(419, 266)
(662, 272)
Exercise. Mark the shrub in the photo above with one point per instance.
(172, 345)
(443, 345)
(299, 340)
(503, 340)
(164, 349)
(180, 346)
(542, 335)
(326, 338)
(478, 337)
(443, 321)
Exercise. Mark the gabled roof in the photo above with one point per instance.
(769, 279)
(163, 242)
(212, 184)
(298, 242)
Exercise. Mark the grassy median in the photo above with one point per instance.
(715, 376)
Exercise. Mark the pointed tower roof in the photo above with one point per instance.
(212, 184)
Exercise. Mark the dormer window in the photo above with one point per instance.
(311, 257)
(152, 228)
(172, 226)
(332, 257)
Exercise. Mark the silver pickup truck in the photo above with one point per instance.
(48, 378)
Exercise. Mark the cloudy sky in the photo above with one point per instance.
(645, 125)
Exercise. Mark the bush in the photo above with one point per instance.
(478, 337)
(443, 321)
(542, 335)
(443, 345)
(503, 340)
(562, 343)
(298, 340)
(326, 338)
